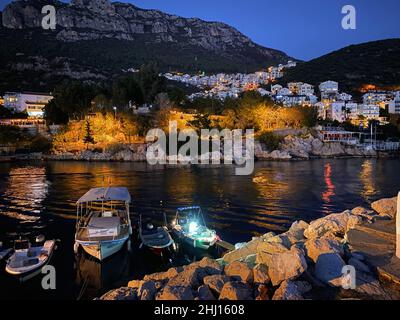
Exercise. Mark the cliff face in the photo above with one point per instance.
(96, 19)
(96, 40)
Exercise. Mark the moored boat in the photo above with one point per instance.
(190, 227)
(27, 261)
(103, 223)
(154, 237)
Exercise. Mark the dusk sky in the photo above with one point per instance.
(303, 29)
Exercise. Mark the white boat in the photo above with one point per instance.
(154, 237)
(190, 227)
(103, 224)
(28, 261)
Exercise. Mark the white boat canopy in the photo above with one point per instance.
(106, 194)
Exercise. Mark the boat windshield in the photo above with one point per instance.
(21, 244)
(190, 216)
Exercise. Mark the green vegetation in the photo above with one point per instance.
(271, 140)
(375, 63)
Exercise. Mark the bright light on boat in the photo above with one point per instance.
(193, 227)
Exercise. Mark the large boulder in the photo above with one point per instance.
(271, 247)
(163, 276)
(292, 290)
(287, 266)
(260, 274)
(121, 294)
(236, 290)
(316, 247)
(190, 277)
(296, 232)
(239, 255)
(240, 271)
(334, 224)
(281, 239)
(386, 207)
(329, 269)
(216, 282)
(175, 293)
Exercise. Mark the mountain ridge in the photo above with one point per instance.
(95, 40)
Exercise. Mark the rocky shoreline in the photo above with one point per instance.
(292, 148)
(306, 262)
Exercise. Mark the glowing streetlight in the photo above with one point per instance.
(115, 112)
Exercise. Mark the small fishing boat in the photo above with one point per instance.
(103, 223)
(27, 260)
(190, 227)
(154, 237)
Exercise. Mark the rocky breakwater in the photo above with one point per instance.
(308, 146)
(306, 262)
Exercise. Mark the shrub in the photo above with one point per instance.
(271, 140)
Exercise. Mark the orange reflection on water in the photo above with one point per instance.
(27, 188)
(330, 187)
(366, 177)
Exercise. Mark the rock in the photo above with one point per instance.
(237, 255)
(334, 224)
(360, 266)
(329, 268)
(121, 294)
(204, 293)
(292, 290)
(361, 211)
(260, 274)
(386, 207)
(163, 276)
(315, 247)
(211, 266)
(281, 239)
(296, 231)
(235, 290)
(279, 155)
(251, 260)
(240, 271)
(189, 277)
(262, 293)
(368, 285)
(147, 290)
(135, 284)
(216, 282)
(175, 293)
(286, 266)
(271, 247)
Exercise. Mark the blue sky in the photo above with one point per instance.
(303, 29)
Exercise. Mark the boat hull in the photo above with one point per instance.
(102, 250)
(195, 243)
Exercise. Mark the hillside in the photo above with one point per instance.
(376, 63)
(96, 40)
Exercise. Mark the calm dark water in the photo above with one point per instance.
(39, 198)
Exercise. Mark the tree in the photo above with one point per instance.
(150, 82)
(88, 139)
(54, 114)
(200, 121)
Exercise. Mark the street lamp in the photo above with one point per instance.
(398, 228)
(115, 112)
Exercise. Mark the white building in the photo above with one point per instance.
(337, 111)
(353, 110)
(306, 89)
(276, 88)
(374, 97)
(370, 111)
(394, 105)
(329, 87)
(343, 96)
(30, 102)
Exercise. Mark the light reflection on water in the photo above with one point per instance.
(238, 207)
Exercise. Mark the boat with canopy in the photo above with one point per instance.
(103, 223)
